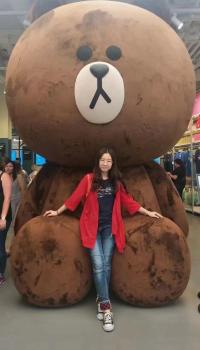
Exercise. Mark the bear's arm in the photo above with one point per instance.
(169, 200)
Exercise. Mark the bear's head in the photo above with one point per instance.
(99, 73)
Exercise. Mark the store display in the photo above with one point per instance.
(190, 196)
(188, 150)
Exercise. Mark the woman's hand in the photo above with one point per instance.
(154, 214)
(51, 213)
(2, 224)
(55, 212)
(173, 177)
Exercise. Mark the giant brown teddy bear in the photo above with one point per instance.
(82, 76)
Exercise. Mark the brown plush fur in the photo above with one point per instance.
(156, 69)
(155, 266)
(49, 265)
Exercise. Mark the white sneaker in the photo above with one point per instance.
(108, 324)
(99, 312)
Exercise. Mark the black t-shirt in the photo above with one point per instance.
(181, 176)
(106, 196)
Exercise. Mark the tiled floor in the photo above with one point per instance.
(174, 327)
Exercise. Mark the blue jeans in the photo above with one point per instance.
(3, 255)
(101, 258)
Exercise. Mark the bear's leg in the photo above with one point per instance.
(49, 265)
(155, 266)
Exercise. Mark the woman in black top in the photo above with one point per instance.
(5, 219)
(178, 176)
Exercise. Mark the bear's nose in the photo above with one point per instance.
(99, 70)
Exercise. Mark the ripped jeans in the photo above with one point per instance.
(101, 258)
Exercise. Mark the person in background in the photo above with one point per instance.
(5, 218)
(101, 223)
(1, 167)
(34, 172)
(178, 176)
(18, 188)
(3, 161)
(19, 185)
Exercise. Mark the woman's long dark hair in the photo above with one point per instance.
(14, 173)
(114, 174)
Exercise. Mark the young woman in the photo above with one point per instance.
(19, 184)
(6, 216)
(101, 224)
(18, 188)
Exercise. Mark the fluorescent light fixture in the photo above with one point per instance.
(178, 24)
(26, 23)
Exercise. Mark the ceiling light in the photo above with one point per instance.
(177, 23)
(26, 23)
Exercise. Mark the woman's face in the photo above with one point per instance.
(9, 168)
(105, 162)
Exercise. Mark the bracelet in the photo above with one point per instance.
(57, 212)
(3, 218)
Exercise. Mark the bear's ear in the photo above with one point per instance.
(40, 7)
(160, 8)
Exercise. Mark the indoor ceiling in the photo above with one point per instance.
(13, 14)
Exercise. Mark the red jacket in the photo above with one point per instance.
(90, 214)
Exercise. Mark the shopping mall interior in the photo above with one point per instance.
(171, 325)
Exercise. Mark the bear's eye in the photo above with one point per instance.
(114, 53)
(84, 53)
